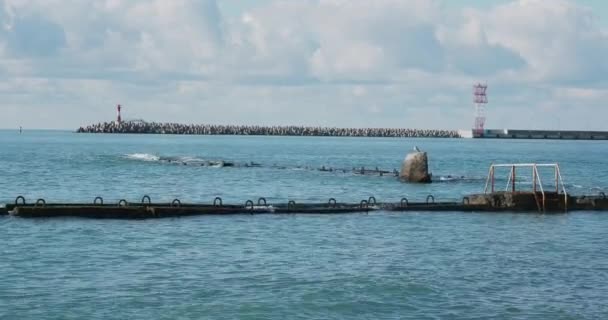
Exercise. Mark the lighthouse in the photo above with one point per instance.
(118, 118)
(480, 99)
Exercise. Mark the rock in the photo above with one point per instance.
(415, 168)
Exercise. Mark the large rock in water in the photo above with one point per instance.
(415, 168)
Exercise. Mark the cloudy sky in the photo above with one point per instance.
(345, 63)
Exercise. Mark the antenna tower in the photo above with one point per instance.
(480, 99)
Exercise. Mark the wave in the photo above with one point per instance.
(154, 158)
(181, 160)
(184, 160)
(143, 157)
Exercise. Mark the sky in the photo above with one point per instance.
(342, 63)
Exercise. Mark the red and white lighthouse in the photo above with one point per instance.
(480, 99)
(118, 118)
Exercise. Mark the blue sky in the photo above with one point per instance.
(355, 63)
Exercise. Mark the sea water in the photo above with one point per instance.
(376, 266)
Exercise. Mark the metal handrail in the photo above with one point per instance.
(490, 174)
(540, 184)
(525, 165)
(559, 181)
(559, 174)
(509, 180)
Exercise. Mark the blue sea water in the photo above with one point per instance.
(377, 266)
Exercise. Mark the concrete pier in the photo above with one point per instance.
(150, 211)
(521, 201)
(535, 134)
(518, 202)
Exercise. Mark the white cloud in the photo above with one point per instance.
(559, 39)
(331, 62)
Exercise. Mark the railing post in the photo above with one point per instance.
(513, 180)
(544, 205)
(534, 177)
(556, 181)
(488, 179)
(492, 174)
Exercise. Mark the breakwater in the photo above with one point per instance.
(207, 129)
(535, 134)
(524, 202)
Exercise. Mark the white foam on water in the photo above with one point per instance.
(448, 178)
(143, 157)
(191, 159)
(154, 158)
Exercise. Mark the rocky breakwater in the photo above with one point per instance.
(206, 129)
(415, 168)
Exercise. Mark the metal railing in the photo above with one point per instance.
(536, 178)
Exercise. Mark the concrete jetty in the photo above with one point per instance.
(517, 202)
(534, 134)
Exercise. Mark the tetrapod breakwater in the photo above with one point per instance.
(518, 202)
(141, 127)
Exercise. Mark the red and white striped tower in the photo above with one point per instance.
(480, 99)
(118, 118)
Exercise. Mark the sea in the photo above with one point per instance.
(380, 265)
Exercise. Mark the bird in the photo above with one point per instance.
(416, 149)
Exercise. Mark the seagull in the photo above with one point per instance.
(416, 149)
